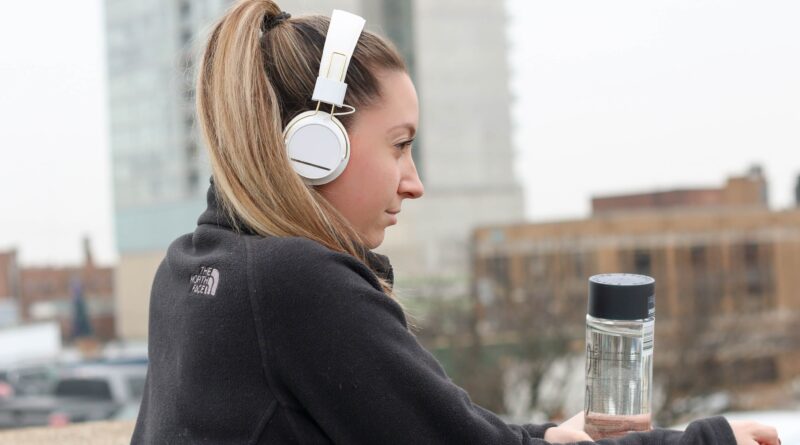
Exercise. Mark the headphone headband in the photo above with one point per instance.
(343, 33)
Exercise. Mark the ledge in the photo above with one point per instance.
(89, 433)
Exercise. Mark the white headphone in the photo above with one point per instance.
(317, 142)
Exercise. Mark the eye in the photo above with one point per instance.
(404, 145)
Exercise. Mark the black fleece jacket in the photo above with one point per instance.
(272, 340)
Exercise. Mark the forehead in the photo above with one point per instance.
(396, 86)
(398, 99)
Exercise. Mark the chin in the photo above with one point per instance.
(374, 241)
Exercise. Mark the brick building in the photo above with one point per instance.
(46, 293)
(9, 283)
(9, 288)
(728, 291)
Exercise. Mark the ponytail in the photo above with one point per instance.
(250, 83)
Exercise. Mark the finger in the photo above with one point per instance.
(561, 435)
(766, 435)
(575, 422)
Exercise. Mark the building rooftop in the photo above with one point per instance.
(746, 190)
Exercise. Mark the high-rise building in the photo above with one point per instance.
(465, 155)
(456, 52)
(160, 171)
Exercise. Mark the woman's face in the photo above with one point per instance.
(380, 173)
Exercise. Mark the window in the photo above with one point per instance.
(704, 294)
(398, 24)
(191, 150)
(537, 286)
(753, 276)
(186, 37)
(642, 262)
(498, 270)
(135, 386)
(755, 370)
(700, 280)
(85, 388)
(193, 179)
(579, 265)
(698, 256)
(752, 280)
(185, 9)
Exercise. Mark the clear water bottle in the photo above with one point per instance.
(619, 354)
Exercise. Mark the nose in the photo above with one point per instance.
(410, 184)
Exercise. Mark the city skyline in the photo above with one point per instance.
(670, 84)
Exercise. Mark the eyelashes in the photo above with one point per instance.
(405, 144)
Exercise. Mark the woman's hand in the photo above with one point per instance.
(559, 434)
(745, 432)
(570, 431)
(752, 433)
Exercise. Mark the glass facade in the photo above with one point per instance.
(394, 19)
(159, 169)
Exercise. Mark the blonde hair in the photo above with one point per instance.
(250, 84)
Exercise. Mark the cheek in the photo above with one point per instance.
(369, 178)
(365, 188)
(370, 164)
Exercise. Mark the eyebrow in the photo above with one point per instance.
(407, 126)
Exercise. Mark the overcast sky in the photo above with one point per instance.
(613, 96)
(55, 164)
(622, 96)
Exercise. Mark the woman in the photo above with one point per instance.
(273, 322)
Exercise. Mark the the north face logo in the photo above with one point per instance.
(206, 281)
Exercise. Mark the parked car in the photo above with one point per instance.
(31, 379)
(81, 393)
(6, 389)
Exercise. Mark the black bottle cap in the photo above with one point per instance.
(622, 296)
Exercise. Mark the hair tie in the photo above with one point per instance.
(273, 21)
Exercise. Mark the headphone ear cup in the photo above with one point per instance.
(318, 147)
